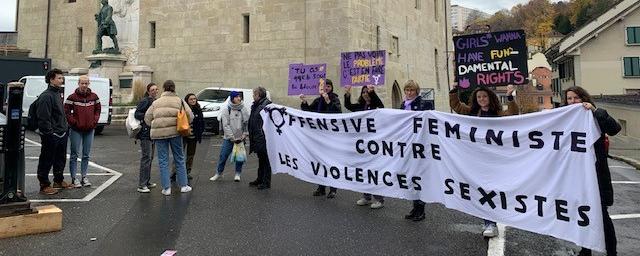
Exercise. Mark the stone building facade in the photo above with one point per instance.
(231, 43)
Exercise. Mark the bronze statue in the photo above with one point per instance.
(106, 27)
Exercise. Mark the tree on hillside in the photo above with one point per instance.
(562, 24)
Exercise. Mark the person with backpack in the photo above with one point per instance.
(235, 121)
(82, 109)
(53, 127)
(146, 144)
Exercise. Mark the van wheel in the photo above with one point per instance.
(99, 129)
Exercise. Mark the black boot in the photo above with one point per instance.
(254, 183)
(411, 214)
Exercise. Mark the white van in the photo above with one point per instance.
(213, 100)
(34, 85)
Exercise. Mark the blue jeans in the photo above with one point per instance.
(78, 138)
(225, 151)
(489, 223)
(162, 145)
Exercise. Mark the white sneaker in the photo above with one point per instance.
(216, 177)
(76, 183)
(151, 185)
(490, 231)
(85, 182)
(363, 201)
(166, 192)
(236, 178)
(377, 205)
(144, 190)
(185, 189)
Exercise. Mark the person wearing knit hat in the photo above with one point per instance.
(234, 94)
(235, 125)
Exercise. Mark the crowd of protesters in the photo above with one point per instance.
(76, 118)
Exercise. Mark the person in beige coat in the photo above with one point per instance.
(162, 116)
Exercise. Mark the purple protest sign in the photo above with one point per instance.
(304, 79)
(362, 68)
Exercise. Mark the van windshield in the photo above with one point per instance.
(212, 95)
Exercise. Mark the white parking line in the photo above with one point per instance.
(625, 216)
(622, 167)
(625, 182)
(115, 176)
(496, 244)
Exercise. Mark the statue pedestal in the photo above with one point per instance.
(108, 66)
(136, 79)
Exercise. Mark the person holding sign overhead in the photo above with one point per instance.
(368, 100)
(484, 103)
(413, 102)
(608, 125)
(328, 102)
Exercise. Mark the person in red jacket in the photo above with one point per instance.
(82, 109)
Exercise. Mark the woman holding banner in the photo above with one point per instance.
(484, 103)
(413, 102)
(368, 100)
(328, 102)
(608, 125)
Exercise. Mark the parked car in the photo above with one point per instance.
(213, 100)
(34, 85)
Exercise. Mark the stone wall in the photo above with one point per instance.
(199, 43)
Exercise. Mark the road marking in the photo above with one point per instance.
(496, 244)
(88, 174)
(115, 176)
(625, 216)
(623, 167)
(625, 182)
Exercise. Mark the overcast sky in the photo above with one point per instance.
(491, 6)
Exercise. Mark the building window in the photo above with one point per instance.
(631, 66)
(632, 91)
(435, 10)
(395, 45)
(79, 41)
(72, 1)
(417, 6)
(152, 34)
(633, 35)
(435, 64)
(246, 28)
(540, 100)
(377, 37)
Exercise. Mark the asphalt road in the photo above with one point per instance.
(229, 218)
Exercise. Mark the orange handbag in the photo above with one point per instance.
(182, 125)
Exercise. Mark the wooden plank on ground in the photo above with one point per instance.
(48, 218)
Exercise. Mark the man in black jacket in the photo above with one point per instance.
(52, 125)
(257, 142)
(328, 102)
(146, 144)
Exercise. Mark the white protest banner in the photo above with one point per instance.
(534, 172)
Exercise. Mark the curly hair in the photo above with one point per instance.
(494, 102)
(581, 92)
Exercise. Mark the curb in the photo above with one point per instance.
(632, 162)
